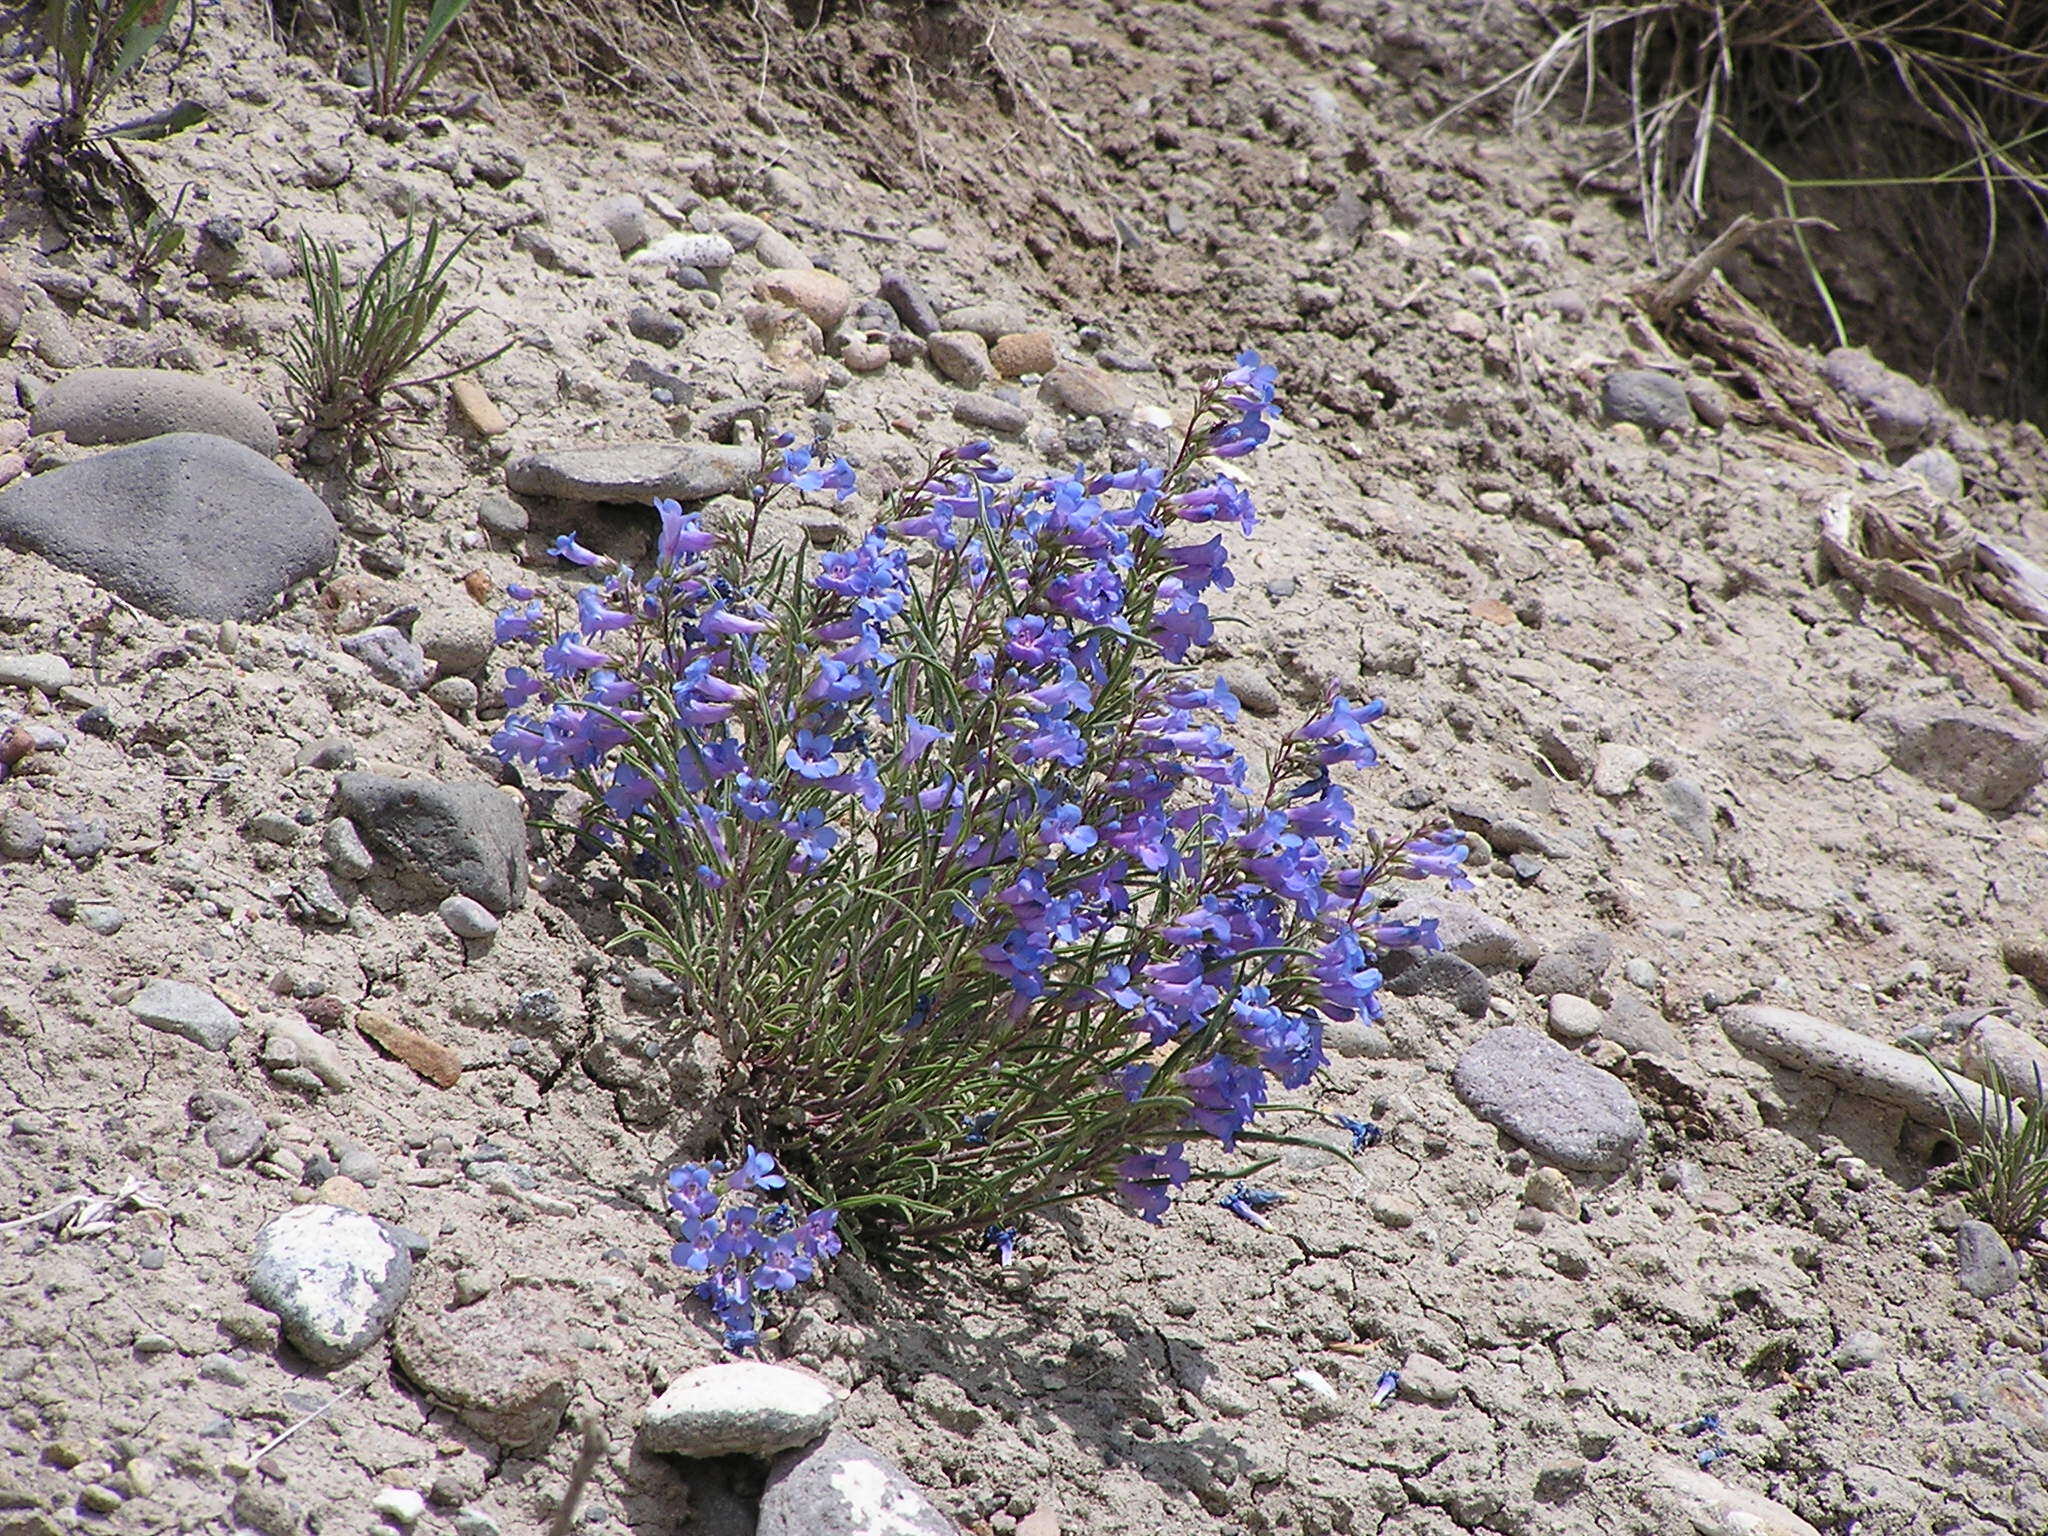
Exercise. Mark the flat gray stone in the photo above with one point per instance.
(842, 1487)
(1558, 1105)
(1576, 966)
(1865, 1067)
(128, 405)
(185, 526)
(36, 669)
(1441, 974)
(634, 472)
(179, 1008)
(1654, 401)
(1989, 760)
(912, 307)
(334, 1277)
(739, 1407)
(990, 321)
(465, 838)
(1985, 1266)
(467, 918)
(391, 654)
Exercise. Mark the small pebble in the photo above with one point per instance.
(400, 1504)
(467, 918)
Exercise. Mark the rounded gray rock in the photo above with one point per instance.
(467, 918)
(912, 307)
(634, 472)
(739, 1407)
(961, 356)
(502, 1361)
(22, 835)
(1558, 1105)
(128, 405)
(985, 413)
(390, 653)
(1988, 759)
(334, 1277)
(1654, 401)
(1985, 1266)
(1443, 975)
(185, 526)
(1900, 413)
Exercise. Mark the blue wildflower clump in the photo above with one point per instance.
(943, 837)
(748, 1252)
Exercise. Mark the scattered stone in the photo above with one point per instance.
(22, 835)
(1617, 768)
(264, 1508)
(127, 405)
(739, 1407)
(1899, 412)
(179, 1008)
(301, 1056)
(1654, 401)
(1258, 696)
(1994, 1051)
(237, 1138)
(182, 526)
(437, 1063)
(1937, 469)
(1985, 1266)
(273, 826)
(1024, 352)
(502, 1360)
(1425, 1379)
(1573, 1019)
(391, 654)
(1866, 1067)
(13, 303)
(1474, 936)
(1710, 402)
(646, 323)
(468, 837)
(478, 408)
(1411, 973)
(1858, 1351)
(624, 217)
(990, 321)
(2026, 956)
(403, 1506)
(1551, 1189)
(467, 919)
(342, 846)
(1690, 810)
(36, 669)
(961, 356)
(702, 252)
(1556, 1104)
(456, 639)
(501, 515)
(909, 301)
(865, 356)
(1984, 758)
(1084, 391)
(457, 695)
(775, 249)
(1576, 966)
(329, 754)
(334, 1277)
(986, 413)
(1706, 1506)
(823, 296)
(102, 919)
(633, 472)
(841, 1487)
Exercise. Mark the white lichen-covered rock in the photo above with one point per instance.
(334, 1277)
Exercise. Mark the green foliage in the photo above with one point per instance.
(353, 349)
(98, 44)
(155, 240)
(400, 65)
(2003, 1171)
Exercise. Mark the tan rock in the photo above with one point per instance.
(1084, 391)
(478, 408)
(344, 1192)
(1715, 1508)
(1024, 352)
(961, 356)
(824, 296)
(865, 357)
(437, 1063)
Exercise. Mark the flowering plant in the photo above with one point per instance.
(748, 1254)
(942, 836)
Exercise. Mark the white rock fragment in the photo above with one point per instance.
(739, 1407)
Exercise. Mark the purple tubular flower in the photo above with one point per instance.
(1146, 1181)
(755, 1171)
(1222, 500)
(691, 1190)
(1438, 855)
(812, 756)
(566, 548)
(681, 537)
(1340, 731)
(596, 619)
(1223, 1096)
(1248, 390)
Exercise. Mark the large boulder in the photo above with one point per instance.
(186, 526)
(129, 405)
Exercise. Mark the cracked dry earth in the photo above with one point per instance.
(1619, 661)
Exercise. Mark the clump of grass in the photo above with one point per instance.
(97, 46)
(353, 349)
(401, 66)
(2002, 1172)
